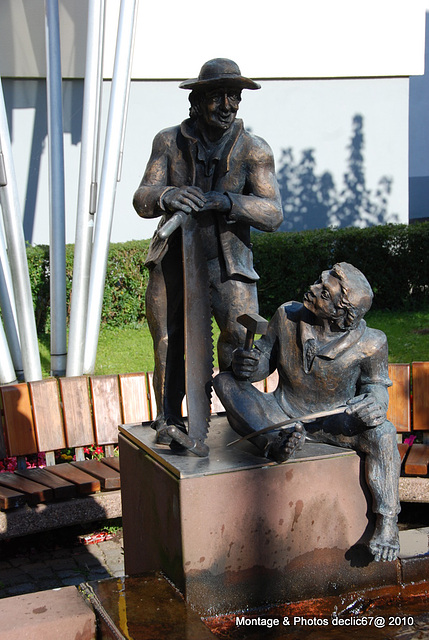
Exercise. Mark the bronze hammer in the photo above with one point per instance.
(255, 324)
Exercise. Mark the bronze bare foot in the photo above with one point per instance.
(384, 544)
(286, 444)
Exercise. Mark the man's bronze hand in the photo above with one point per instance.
(186, 199)
(216, 201)
(244, 363)
(367, 409)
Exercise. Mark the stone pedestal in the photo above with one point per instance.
(234, 531)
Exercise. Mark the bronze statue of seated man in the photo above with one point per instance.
(326, 357)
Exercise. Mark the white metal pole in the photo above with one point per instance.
(87, 196)
(7, 370)
(17, 255)
(57, 246)
(109, 176)
(8, 309)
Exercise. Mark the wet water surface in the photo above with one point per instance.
(150, 608)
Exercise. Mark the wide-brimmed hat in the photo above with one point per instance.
(217, 72)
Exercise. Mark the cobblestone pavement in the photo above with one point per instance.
(56, 559)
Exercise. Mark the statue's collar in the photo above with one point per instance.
(329, 350)
(221, 153)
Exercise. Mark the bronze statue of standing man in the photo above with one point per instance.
(211, 169)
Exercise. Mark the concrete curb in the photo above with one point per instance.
(47, 615)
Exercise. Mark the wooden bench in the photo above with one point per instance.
(70, 413)
(51, 415)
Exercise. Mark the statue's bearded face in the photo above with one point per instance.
(219, 106)
(324, 297)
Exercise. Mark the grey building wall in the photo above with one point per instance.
(419, 140)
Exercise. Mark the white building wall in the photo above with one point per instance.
(330, 51)
(274, 38)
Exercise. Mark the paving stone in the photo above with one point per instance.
(10, 576)
(113, 557)
(61, 553)
(34, 566)
(95, 551)
(17, 562)
(49, 583)
(118, 574)
(65, 574)
(414, 542)
(109, 544)
(45, 555)
(25, 587)
(78, 553)
(87, 561)
(115, 566)
(72, 582)
(63, 565)
(41, 574)
(99, 574)
(119, 550)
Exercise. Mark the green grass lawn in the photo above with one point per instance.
(120, 350)
(129, 349)
(407, 333)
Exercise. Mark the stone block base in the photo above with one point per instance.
(234, 531)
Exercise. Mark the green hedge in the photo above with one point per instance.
(126, 280)
(394, 258)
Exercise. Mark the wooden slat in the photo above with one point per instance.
(10, 499)
(84, 482)
(61, 488)
(272, 382)
(111, 461)
(3, 450)
(417, 460)
(135, 404)
(184, 404)
(403, 448)
(109, 450)
(216, 404)
(18, 420)
(48, 420)
(34, 492)
(109, 478)
(77, 411)
(259, 385)
(399, 411)
(152, 406)
(420, 396)
(106, 404)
